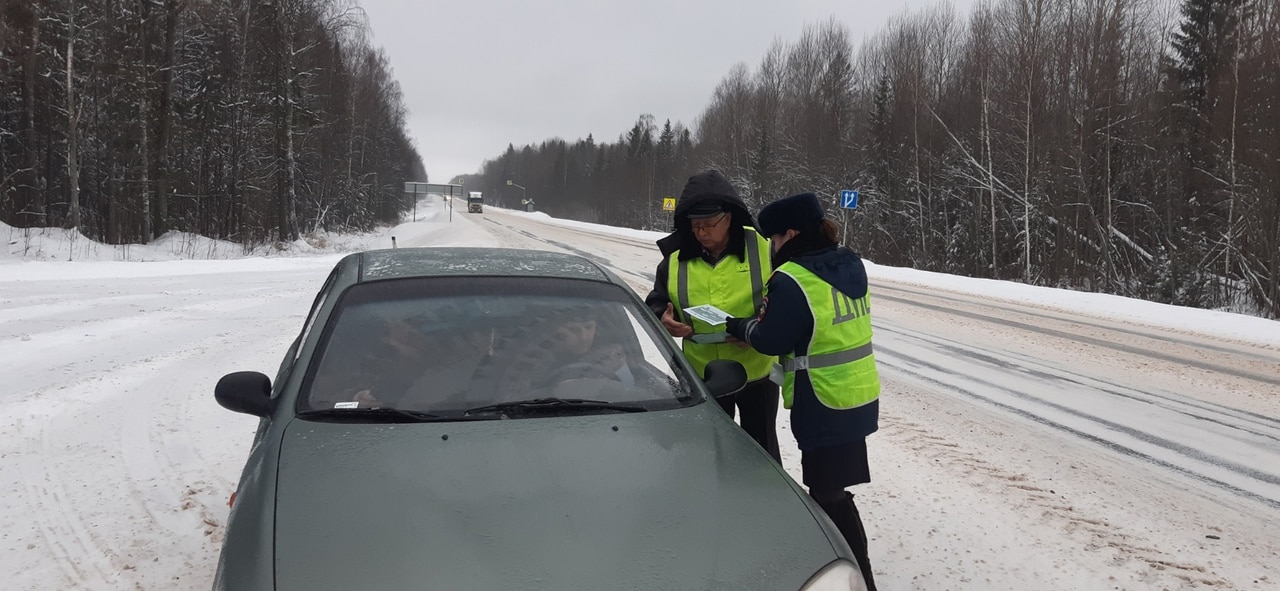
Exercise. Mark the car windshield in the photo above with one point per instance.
(448, 345)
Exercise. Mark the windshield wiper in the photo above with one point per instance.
(554, 405)
(382, 414)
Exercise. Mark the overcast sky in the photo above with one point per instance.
(479, 74)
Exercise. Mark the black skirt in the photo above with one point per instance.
(836, 467)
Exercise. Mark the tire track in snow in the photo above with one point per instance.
(103, 346)
(1251, 423)
(1078, 319)
(165, 498)
(1273, 379)
(159, 476)
(1009, 485)
(911, 366)
(78, 557)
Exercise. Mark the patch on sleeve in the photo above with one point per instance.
(764, 305)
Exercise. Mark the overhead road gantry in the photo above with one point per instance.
(446, 191)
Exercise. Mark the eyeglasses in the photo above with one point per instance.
(707, 226)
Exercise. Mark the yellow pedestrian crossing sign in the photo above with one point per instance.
(668, 204)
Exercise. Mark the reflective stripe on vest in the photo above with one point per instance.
(840, 362)
(826, 359)
(719, 285)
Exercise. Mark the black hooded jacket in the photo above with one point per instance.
(703, 187)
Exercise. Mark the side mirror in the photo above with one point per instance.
(248, 392)
(724, 377)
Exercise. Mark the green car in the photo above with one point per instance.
(479, 419)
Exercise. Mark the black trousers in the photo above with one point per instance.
(757, 402)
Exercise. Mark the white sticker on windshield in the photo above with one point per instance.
(346, 405)
(708, 313)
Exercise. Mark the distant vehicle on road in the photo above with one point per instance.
(475, 202)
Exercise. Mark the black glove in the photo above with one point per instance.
(735, 327)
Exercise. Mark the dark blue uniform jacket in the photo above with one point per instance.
(786, 327)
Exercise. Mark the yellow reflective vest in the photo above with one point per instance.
(735, 287)
(839, 359)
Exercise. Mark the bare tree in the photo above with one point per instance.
(73, 122)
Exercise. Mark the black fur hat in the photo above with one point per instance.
(797, 212)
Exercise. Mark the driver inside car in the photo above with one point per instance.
(607, 358)
(567, 344)
(573, 338)
(544, 349)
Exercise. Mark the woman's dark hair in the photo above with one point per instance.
(830, 230)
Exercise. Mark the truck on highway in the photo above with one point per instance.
(475, 202)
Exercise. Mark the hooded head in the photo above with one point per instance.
(801, 213)
(706, 195)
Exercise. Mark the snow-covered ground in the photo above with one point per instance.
(1031, 437)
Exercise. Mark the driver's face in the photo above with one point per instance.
(575, 336)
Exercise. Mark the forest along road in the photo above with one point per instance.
(1118, 432)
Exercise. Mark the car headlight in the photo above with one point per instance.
(840, 575)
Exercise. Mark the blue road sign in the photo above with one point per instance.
(849, 199)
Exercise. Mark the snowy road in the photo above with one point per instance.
(117, 462)
(1055, 372)
(1020, 445)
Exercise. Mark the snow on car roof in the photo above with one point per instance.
(427, 262)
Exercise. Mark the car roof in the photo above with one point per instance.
(398, 263)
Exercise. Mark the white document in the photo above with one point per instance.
(708, 313)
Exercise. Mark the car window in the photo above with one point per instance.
(295, 348)
(315, 310)
(654, 355)
(453, 344)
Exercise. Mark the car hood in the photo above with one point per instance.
(657, 500)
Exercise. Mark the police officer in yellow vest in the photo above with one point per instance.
(817, 318)
(715, 256)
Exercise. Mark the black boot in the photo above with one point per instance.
(845, 515)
